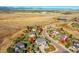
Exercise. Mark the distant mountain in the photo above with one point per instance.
(39, 7)
(5, 8)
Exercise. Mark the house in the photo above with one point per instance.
(19, 47)
(76, 44)
(55, 32)
(32, 34)
(31, 40)
(63, 39)
(41, 42)
(31, 37)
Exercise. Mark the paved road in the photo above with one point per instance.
(60, 48)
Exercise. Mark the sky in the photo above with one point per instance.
(39, 3)
(58, 4)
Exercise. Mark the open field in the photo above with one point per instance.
(11, 23)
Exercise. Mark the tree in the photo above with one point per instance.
(10, 50)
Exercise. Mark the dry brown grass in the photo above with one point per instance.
(14, 22)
